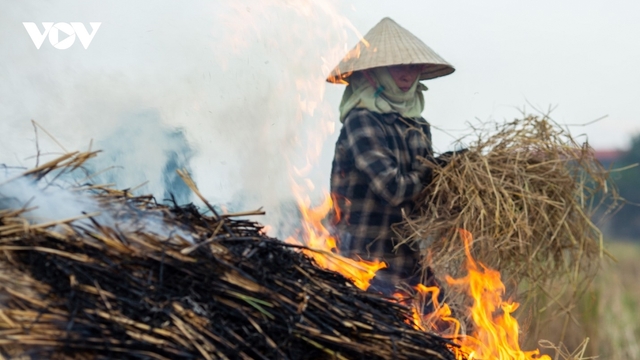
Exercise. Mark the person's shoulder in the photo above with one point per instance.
(359, 113)
(422, 121)
(362, 117)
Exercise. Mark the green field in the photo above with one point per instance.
(608, 315)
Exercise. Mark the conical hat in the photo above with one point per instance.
(388, 44)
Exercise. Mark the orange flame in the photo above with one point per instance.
(324, 250)
(495, 334)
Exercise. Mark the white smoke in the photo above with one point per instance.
(144, 154)
(46, 202)
(244, 82)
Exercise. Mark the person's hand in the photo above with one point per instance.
(445, 158)
(421, 166)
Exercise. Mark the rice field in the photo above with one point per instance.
(607, 316)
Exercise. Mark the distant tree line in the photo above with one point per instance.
(625, 224)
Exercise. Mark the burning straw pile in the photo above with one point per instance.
(526, 191)
(142, 280)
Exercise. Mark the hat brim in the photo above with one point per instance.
(431, 71)
(388, 44)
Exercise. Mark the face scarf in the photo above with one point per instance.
(386, 98)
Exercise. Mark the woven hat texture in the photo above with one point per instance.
(388, 44)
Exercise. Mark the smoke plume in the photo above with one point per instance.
(235, 91)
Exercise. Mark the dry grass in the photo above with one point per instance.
(526, 190)
(139, 280)
(609, 313)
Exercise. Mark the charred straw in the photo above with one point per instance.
(157, 282)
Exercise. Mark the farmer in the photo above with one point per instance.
(376, 171)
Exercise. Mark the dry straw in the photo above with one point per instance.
(141, 280)
(527, 191)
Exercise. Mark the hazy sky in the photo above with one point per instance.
(244, 79)
(579, 55)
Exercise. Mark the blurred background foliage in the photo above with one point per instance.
(625, 224)
(607, 316)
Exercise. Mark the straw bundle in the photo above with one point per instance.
(526, 191)
(147, 281)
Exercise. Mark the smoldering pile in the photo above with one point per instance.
(116, 285)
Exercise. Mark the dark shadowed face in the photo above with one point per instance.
(405, 75)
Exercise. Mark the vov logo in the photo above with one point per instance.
(70, 30)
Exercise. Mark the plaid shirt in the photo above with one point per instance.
(373, 180)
